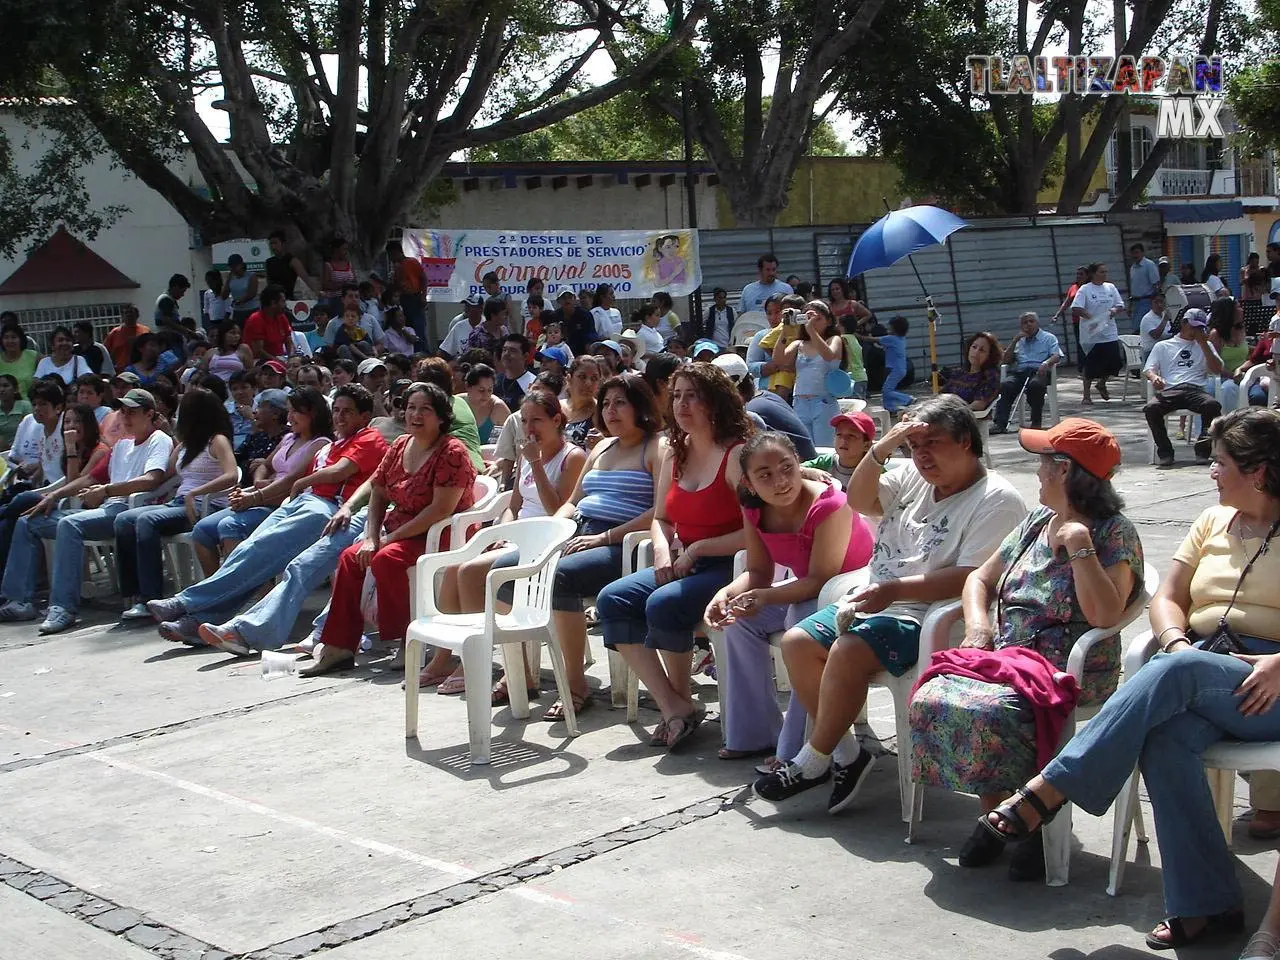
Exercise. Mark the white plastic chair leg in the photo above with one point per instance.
(1127, 811)
(633, 696)
(562, 681)
(617, 680)
(1056, 837)
(477, 664)
(513, 658)
(901, 688)
(916, 808)
(412, 655)
(717, 639)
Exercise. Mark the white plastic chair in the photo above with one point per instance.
(1252, 376)
(747, 326)
(1021, 409)
(879, 414)
(1215, 387)
(984, 428)
(1132, 344)
(1057, 835)
(180, 552)
(488, 452)
(100, 554)
(474, 635)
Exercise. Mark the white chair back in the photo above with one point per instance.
(747, 326)
(1252, 376)
(484, 491)
(539, 541)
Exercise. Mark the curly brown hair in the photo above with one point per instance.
(730, 424)
(994, 353)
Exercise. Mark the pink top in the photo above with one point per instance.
(792, 550)
(290, 455)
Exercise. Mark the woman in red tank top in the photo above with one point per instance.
(697, 529)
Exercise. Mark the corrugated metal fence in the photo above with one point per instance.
(982, 279)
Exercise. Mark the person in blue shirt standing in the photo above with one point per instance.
(1031, 358)
(894, 345)
(755, 294)
(1144, 281)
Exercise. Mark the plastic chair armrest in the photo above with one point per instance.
(1141, 649)
(935, 631)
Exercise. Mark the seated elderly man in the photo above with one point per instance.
(341, 468)
(941, 516)
(1180, 369)
(1031, 358)
(138, 464)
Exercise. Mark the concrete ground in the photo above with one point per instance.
(161, 801)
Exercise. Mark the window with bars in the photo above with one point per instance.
(103, 316)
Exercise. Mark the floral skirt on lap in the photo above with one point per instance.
(969, 736)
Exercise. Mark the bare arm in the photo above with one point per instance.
(226, 462)
(830, 544)
(1169, 608)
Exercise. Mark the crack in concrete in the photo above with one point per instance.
(167, 943)
(164, 729)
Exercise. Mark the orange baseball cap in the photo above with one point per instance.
(1087, 443)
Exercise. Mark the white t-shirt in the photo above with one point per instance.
(608, 321)
(1097, 326)
(77, 366)
(26, 441)
(918, 534)
(51, 449)
(455, 340)
(1180, 362)
(1215, 284)
(1148, 324)
(130, 461)
(652, 339)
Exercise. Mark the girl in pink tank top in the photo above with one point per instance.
(808, 527)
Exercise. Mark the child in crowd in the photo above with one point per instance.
(91, 391)
(855, 432)
(399, 366)
(895, 365)
(320, 317)
(646, 321)
(396, 336)
(344, 371)
(213, 306)
(662, 303)
(553, 336)
(554, 359)
(533, 308)
(722, 317)
(240, 406)
(676, 347)
(352, 340)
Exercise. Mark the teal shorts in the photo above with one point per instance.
(894, 641)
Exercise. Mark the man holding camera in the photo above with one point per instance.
(1179, 369)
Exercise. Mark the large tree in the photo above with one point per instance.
(755, 135)
(1254, 92)
(339, 113)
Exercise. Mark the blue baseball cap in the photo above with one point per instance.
(557, 353)
(705, 344)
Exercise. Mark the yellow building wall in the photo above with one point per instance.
(833, 190)
(1263, 225)
(1048, 197)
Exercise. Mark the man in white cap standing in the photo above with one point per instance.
(1180, 369)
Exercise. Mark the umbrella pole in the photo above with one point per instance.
(930, 312)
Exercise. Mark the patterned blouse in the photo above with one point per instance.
(411, 493)
(1038, 607)
(973, 387)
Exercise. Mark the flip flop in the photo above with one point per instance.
(688, 726)
(452, 686)
(727, 754)
(555, 712)
(1217, 925)
(659, 737)
(501, 696)
(432, 680)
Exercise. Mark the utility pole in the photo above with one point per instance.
(691, 189)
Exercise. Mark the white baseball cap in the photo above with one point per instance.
(734, 367)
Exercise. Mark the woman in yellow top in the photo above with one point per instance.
(1216, 618)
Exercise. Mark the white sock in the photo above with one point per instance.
(812, 763)
(846, 750)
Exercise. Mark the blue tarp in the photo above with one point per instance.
(1199, 212)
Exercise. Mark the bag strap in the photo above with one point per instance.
(1266, 544)
(1028, 541)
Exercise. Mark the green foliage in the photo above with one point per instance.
(1254, 93)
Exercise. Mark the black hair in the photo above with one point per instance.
(243, 376)
(93, 381)
(899, 325)
(479, 372)
(476, 355)
(346, 287)
(271, 293)
(214, 384)
(59, 329)
(349, 366)
(357, 394)
(364, 288)
(84, 325)
(550, 380)
(335, 243)
(532, 280)
(178, 280)
(494, 306)
(220, 335)
(1222, 316)
(719, 290)
(491, 275)
(756, 442)
(440, 401)
(1137, 246)
(48, 391)
(277, 234)
(766, 258)
(11, 378)
(1212, 267)
(312, 401)
(1089, 496)
(398, 362)
(13, 326)
(663, 298)
(535, 300)
(640, 314)
(659, 368)
(144, 339)
(638, 394)
(201, 417)
(803, 289)
(165, 394)
(520, 340)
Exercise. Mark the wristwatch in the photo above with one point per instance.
(1082, 553)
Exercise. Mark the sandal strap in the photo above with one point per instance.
(1035, 803)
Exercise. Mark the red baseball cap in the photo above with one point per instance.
(1087, 443)
(859, 421)
(276, 366)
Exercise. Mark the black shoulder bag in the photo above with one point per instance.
(1224, 639)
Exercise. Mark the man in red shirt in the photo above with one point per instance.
(119, 340)
(268, 331)
(340, 469)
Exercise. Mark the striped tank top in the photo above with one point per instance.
(616, 496)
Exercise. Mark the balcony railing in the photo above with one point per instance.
(1184, 183)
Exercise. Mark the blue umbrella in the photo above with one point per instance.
(899, 234)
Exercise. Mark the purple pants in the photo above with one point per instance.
(750, 714)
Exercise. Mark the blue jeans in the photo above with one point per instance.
(68, 529)
(139, 556)
(9, 515)
(266, 625)
(227, 524)
(893, 398)
(636, 610)
(281, 537)
(1258, 395)
(587, 572)
(1162, 720)
(816, 413)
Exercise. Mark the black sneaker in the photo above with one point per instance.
(1204, 447)
(785, 782)
(848, 780)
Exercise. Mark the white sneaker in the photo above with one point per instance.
(309, 644)
(138, 611)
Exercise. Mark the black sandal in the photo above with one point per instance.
(688, 726)
(1010, 825)
(1219, 924)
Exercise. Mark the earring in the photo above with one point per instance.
(1258, 487)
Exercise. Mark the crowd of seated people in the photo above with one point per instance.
(291, 468)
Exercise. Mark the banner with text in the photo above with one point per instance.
(636, 263)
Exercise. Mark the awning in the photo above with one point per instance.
(1199, 212)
